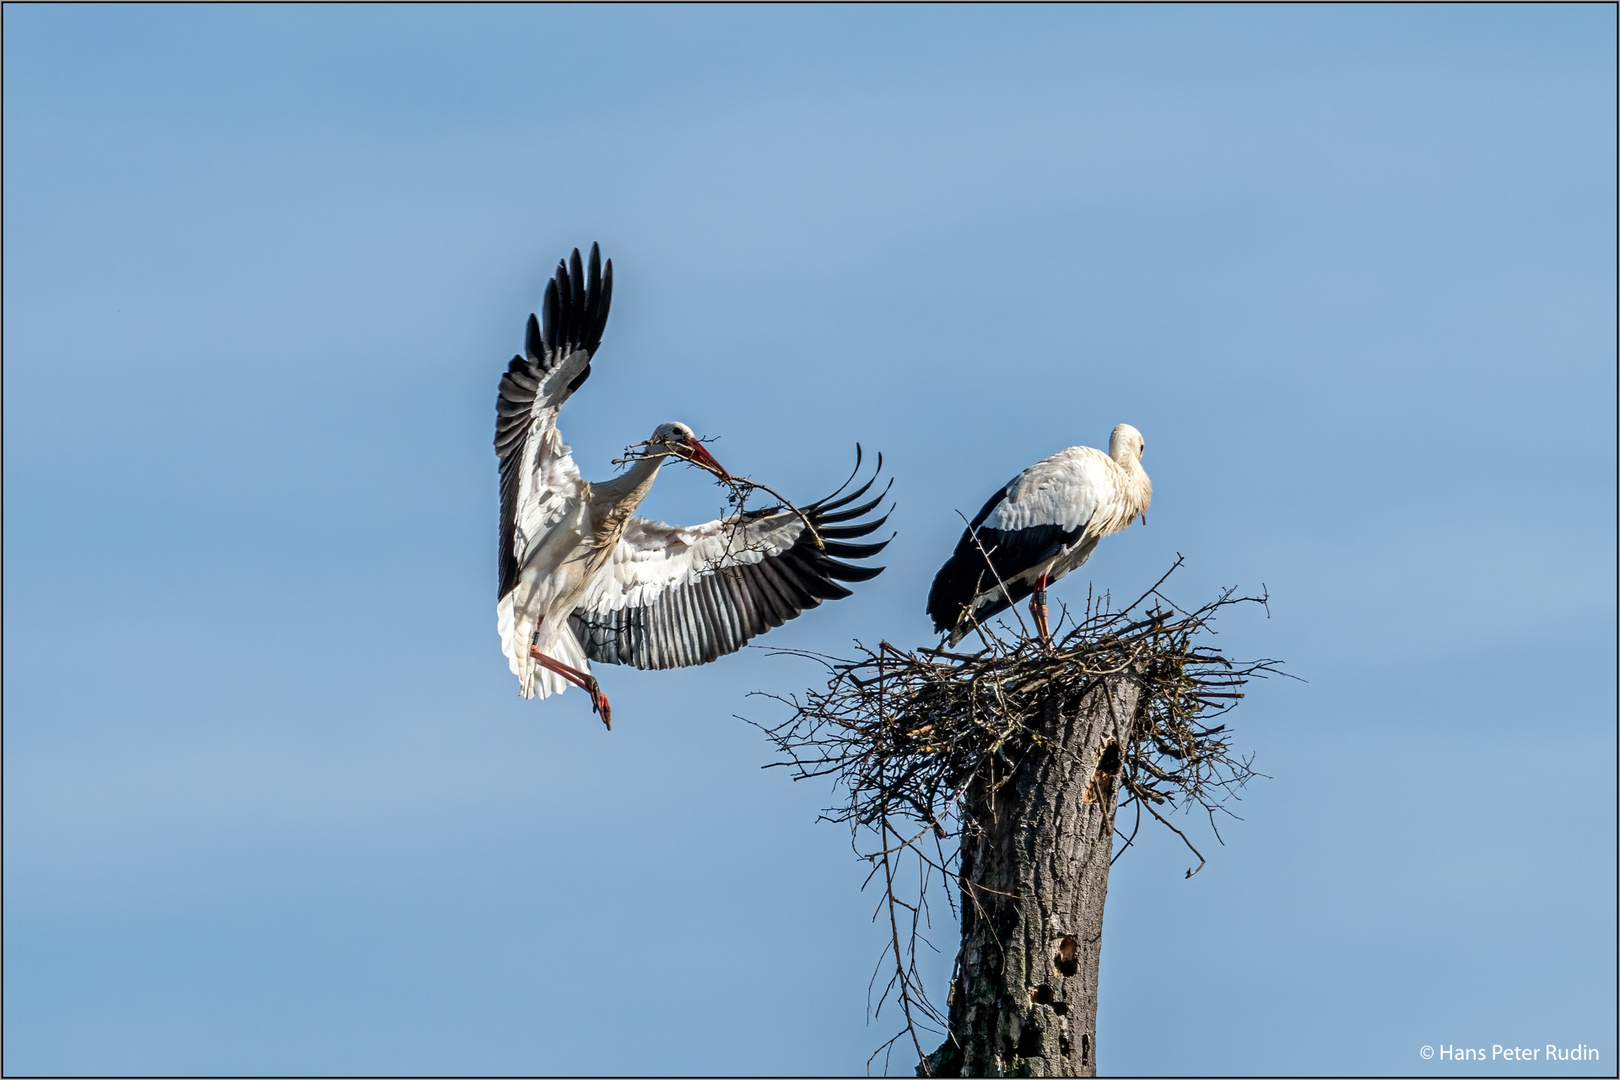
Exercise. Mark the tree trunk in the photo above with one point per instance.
(1035, 855)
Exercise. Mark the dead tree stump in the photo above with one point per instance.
(1034, 879)
(997, 773)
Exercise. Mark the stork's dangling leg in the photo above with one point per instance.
(587, 683)
(1037, 608)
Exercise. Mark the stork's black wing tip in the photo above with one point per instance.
(575, 309)
(836, 523)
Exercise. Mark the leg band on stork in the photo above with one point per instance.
(1037, 608)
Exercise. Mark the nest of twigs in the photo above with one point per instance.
(907, 736)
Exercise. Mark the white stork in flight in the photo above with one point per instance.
(583, 580)
(1039, 527)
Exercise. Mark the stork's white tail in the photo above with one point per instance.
(534, 680)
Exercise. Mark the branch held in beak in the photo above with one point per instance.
(692, 450)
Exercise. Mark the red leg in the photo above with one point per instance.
(1037, 608)
(585, 682)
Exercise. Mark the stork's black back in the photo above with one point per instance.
(985, 557)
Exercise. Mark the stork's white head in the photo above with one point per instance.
(681, 441)
(1125, 445)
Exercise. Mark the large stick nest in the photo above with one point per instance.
(908, 736)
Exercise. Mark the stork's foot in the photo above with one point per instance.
(586, 682)
(599, 702)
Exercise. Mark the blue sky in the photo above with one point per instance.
(271, 801)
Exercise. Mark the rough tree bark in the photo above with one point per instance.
(1035, 858)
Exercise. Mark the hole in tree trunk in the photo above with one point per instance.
(1066, 959)
(1041, 995)
(1061, 1008)
(1103, 776)
(1085, 1049)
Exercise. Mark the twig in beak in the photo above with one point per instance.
(739, 485)
(702, 458)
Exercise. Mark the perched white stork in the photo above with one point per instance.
(1039, 527)
(583, 580)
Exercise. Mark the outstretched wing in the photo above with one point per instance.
(538, 477)
(676, 597)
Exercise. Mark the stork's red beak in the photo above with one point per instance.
(699, 456)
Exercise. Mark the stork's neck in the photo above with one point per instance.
(623, 493)
(1138, 488)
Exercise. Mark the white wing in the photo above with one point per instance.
(1065, 490)
(676, 597)
(542, 493)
